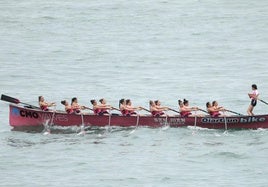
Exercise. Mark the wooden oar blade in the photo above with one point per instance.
(9, 99)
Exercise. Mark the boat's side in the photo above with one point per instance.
(25, 117)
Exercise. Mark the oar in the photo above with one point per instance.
(203, 110)
(48, 128)
(14, 100)
(137, 124)
(263, 101)
(225, 122)
(145, 109)
(82, 127)
(166, 125)
(234, 112)
(113, 108)
(88, 108)
(174, 110)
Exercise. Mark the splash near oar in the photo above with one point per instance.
(15, 100)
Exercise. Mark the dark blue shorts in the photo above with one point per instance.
(253, 102)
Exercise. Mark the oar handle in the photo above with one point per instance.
(145, 109)
(174, 110)
(203, 110)
(31, 105)
(113, 108)
(88, 108)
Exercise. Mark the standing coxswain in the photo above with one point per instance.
(253, 97)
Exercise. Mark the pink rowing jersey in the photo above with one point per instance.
(44, 108)
(157, 113)
(124, 112)
(97, 111)
(254, 93)
(215, 114)
(70, 111)
(185, 113)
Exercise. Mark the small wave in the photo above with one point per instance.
(223, 154)
(14, 142)
(227, 154)
(213, 143)
(261, 130)
(48, 17)
(125, 144)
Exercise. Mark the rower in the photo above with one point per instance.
(76, 107)
(45, 105)
(123, 107)
(159, 107)
(155, 111)
(130, 110)
(185, 109)
(68, 107)
(99, 109)
(214, 110)
(105, 106)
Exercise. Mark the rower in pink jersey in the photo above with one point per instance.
(76, 107)
(155, 110)
(99, 109)
(68, 108)
(45, 105)
(123, 107)
(185, 109)
(214, 110)
(105, 106)
(130, 110)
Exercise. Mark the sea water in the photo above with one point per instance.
(201, 50)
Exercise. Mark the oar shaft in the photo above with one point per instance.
(234, 112)
(203, 110)
(145, 109)
(16, 101)
(174, 110)
(263, 101)
(88, 108)
(113, 108)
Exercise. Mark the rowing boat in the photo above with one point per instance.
(23, 117)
